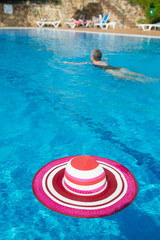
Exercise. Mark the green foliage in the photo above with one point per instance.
(143, 21)
(145, 4)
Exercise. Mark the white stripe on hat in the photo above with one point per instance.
(89, 174)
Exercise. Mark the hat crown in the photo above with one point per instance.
(84, 176)
(84, 163)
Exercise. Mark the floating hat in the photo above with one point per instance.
(85, 186)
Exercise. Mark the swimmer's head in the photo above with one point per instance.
(96, 55)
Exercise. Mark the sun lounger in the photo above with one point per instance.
(70, 24)
(74, 24)
(48, 23)
(112, 24)
(104, 24)
(148, 27)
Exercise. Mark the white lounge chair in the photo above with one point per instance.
(48, 23)
(112, 24)
(147, 27)
(70, 24)
(103, 23)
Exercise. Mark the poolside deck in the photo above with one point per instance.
(132, 31)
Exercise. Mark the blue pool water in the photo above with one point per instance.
(50, 109)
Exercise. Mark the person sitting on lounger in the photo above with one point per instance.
(80, 21)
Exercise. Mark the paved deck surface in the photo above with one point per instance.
(134, 31)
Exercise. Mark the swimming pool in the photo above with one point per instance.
(50, 109)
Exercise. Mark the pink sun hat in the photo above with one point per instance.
(85, 186)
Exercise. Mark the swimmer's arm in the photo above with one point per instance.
(76, 63)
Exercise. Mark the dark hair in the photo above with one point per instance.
(96, 54)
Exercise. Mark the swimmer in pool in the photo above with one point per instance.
(123, 73)
(96, 56)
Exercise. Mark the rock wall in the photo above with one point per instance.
(133, 12)
(27, 14)
(123, 12)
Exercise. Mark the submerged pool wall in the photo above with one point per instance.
(26, 14)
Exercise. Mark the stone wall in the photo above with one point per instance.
(123, 12)
(27, 14)
(132, 11)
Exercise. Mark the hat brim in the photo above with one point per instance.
(121, 190)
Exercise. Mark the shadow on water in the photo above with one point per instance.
(142, 158)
